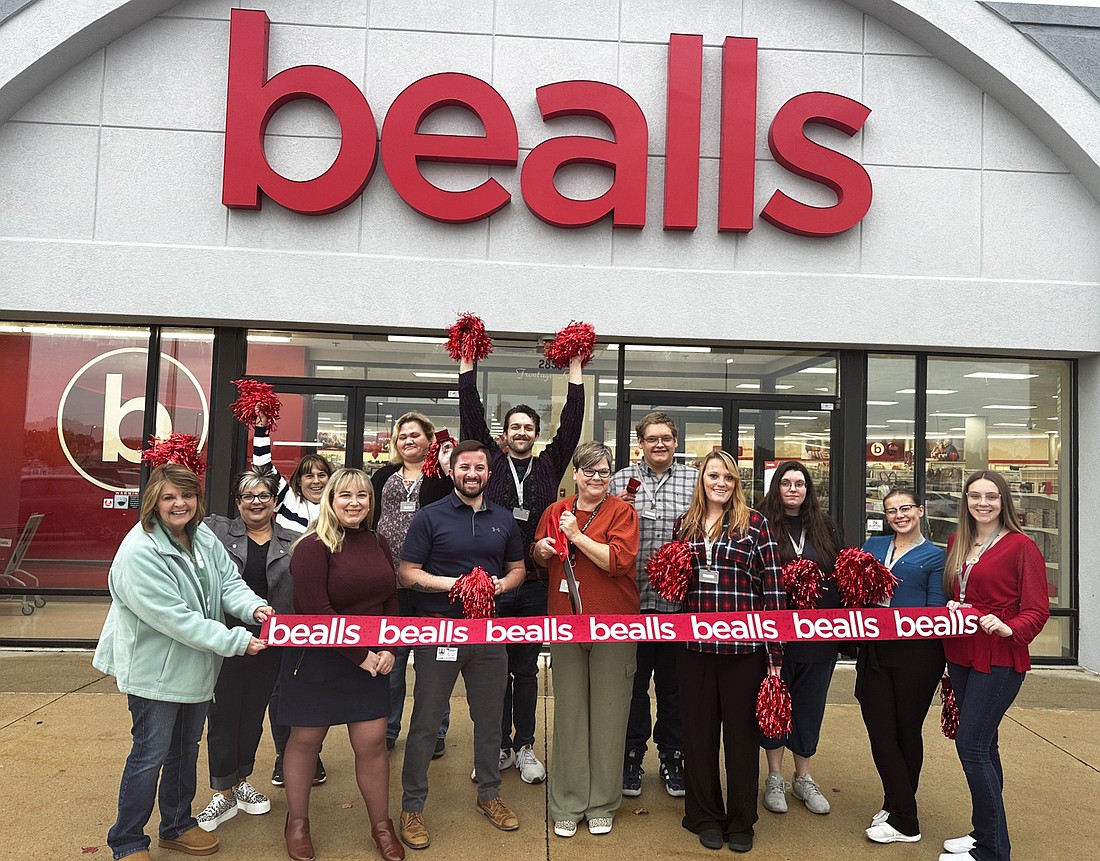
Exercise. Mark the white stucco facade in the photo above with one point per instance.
(984, 155)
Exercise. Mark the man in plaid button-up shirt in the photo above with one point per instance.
(663, 494)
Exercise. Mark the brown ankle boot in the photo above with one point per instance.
(298, 845)
(385, 838)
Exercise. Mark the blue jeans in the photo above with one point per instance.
(983, 699)
(166, 747)
(521, 697)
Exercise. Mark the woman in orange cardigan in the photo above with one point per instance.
(592, 681)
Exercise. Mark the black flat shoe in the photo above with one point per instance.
(740, 842)
(711, 838)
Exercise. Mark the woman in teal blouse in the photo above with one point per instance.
(896, 680)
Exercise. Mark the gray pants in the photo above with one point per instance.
(485, 671)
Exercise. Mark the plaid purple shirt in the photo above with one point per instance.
(748, 579)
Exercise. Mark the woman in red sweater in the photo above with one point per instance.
(339, 567)
(996, 569)
(592, 681)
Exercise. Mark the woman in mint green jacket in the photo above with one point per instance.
(171, 582)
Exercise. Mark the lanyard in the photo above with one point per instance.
(891, 558)
(659, 484)
(968, 566)
(587, 523)
(411, 486)
(519, 481)
(800, 544)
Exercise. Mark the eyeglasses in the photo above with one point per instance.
(592, 473)
(668, 439)
(988, 497)
(901, 509)
(256, 497)
(800, 485)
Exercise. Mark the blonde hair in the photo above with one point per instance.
(966, 528)
(694, 522)
(177, 476)
(327, 527)
(425, 425)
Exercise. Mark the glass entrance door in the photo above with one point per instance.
(350, 425)
(760, 432)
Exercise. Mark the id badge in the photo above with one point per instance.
(521, 514)
(408, 506)
(564, 587)
(708, 575)
(446, 653)
(648, 514)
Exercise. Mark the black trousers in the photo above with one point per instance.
(895, 683)
(656, 660)
(237, 715)
(719, 699)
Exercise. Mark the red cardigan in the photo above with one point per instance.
(1009, 580)
(614, 591)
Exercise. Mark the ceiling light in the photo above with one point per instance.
(269, 339)
(415, 339)
(659, 348)
(748, 385)
(882, 403)
(878, 426)
(800, 418)
(1009, 407)
(831, 371)
(1010, 425)
(938, 414)
(330, 367)
(601, 403)
(998, 375)
(900, 421)
(782, 388)
(928, 391)
(435, 375)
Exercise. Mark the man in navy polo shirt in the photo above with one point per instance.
(446, 540)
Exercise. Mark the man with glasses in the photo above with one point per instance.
(661, 490)
(525, 485)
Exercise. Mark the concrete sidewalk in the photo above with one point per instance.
(64, 734)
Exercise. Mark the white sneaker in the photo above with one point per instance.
(775, 793)
(565, 827)
(250, 800)
(881, 816)
(884, 832)
(530, 769)
(806, 789)
(506, 760)
(600, 825)
(958, 845)
(957, 856)
(219, 810)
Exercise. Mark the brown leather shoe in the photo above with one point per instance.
(298, 845)
(414, 833)
(193, 841)
(498, 813)
(385, 838)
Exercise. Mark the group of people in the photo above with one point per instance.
(189, 593)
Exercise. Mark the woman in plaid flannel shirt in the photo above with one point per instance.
(735, 567)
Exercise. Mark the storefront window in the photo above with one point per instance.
(748, 372)
(1011, 416)
(69, 466)
(891, 420)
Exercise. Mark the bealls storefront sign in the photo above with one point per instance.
(253, 99)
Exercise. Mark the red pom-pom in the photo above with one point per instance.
(181, 448)
(477, 594)
(466, 339)
(949, 714)
(862, 580)
(432, 467)
(254, 398)
(773, 707)
(576, 339)
(669, 570)
(802, 579)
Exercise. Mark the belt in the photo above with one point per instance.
(537, 575)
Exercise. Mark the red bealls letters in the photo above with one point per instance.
(253, 99)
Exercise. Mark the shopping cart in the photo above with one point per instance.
(14, 575)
